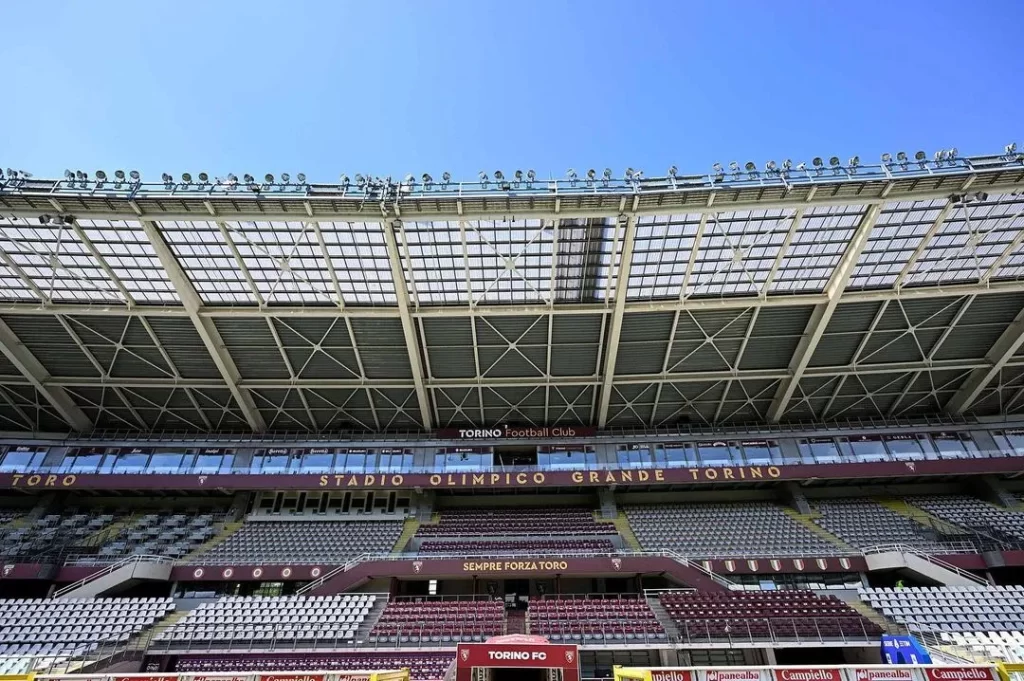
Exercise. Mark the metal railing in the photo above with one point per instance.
(902, 548)
(102, 572)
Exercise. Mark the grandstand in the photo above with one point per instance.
(742, 418)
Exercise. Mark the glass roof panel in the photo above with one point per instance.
(359, 256)
(737, 252)
(208, 262)
(126, 250)
(816, 249)
(487, 261)
(898, 231)
(970, 242)
(583, 259)
(57, 262)
(661, 254)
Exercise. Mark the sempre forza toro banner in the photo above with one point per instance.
(515, 478)
(811, 673)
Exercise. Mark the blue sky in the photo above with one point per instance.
(399, 87)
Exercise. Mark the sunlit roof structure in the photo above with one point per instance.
(744, 296)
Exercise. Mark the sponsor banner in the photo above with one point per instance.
(141, 677)
(291, 677)
(733, 674)
(960, 673)
(540, 656)
(672, 675)
(881, 674)
(216, 677)
(807, 674)
(512, 479)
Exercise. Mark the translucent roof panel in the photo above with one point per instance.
(737, 252)
(12, 286)
(661, 254)
(359, 257)
(583, 260)
(124, 247)
(816, 248)
(54, 258)
(897, 233)
(487, 261)
(208, 262)
(971, 242)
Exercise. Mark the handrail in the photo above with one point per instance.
(109, 569)
(317, 583)
(902, 548)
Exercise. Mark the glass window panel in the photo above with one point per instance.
(131, 462)
(866, 448)
(317, 461)
(166, 462)
(904, 447)
(759, 452)
(820, 450)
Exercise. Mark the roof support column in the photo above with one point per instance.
(204, 327)
(30, 368)
(615, 330)
(822, 314)
(999, 354)
(412, 343)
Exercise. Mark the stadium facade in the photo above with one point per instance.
(754, 417)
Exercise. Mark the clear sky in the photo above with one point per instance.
(401, 86)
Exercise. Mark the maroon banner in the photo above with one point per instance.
(882, 674)
(517, 479)
(517, 651)
(960, 674)
(807, 674)
(514, 433)
(672, 675)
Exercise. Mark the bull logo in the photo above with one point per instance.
(617, 564)
(464, 654)
(8, 569)
(202, 479)
(417, 566)
(570, 656)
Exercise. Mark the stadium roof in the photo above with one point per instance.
(737, 297)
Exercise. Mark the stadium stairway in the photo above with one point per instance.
(664, 619)
(621, 523)
(878, 618)
(226, 531)
(409, 529)
(920, 516)
(807, 521)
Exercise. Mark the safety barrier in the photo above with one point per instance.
(813, 673)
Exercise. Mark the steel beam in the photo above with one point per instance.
(997, 356)
(611, 352)
(37, 376)
(822, 314)
(412, 343)
(205, 327)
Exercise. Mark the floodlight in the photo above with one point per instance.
(186, 178)
(854, 161)
(446, 177)
(787, 165)
(134, 175)
(749, 166)
(101, 176)
(734, 168)
(802, 167)
(672, 171)
(833, 161)
(886, 158)
(166, 178)
(771, 166)
(44, 219)
(68, 219)
(628, 175)
(982, 196)
(607, 174)
(955, 198)
(638, 175)
(591, 174)
(301, 177)
(518, 175)
(360, 180)
(531, 175)
(952, 155)
(484, 180)
(719, 171)
(410, 179)
(268, 178)
(817, 162)
(204, 178)
(571, 174)
(939, 157)
(68, 174)
(343, 181)
(248, 179)
(1011, 149)
(901, 156)
(285, 178)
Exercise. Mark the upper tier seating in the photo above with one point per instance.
(7, 515)
(975, 514)
(161, 534)
(424, 622)
(54, 533)
(265, 619)
(863, 523)
(308, 542)
(469, 548)
(951, 608)
(74, 626)
(733, 529)
(587, 620)
(518, 521)
(765, 614)
(422, 666)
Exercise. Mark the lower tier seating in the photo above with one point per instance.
(951, 608)
(74, 626)
(765, 615)
(587, 620)
(996, 646)
(279, 618)
(424, 622)
(422, 666)
(526, 546)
